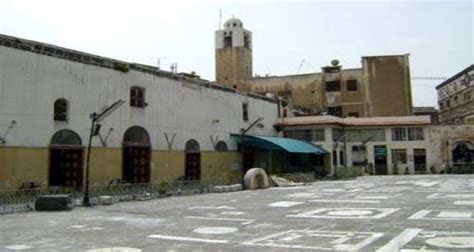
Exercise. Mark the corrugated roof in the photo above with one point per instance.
(278, 143)
(355, 121)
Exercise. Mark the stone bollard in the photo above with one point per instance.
(106, 200)
(256, 178)
(236, 187)
(218, 189)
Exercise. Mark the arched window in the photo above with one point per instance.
(66, 137)
(221, 146)
(61, 110)
(192, 146)
(136, 135)
(137, 97)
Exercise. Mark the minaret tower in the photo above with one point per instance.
(233, 55)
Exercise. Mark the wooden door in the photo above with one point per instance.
(136, 161)
(66, 167)
(193, 166)
(419, 160)
(380, 158)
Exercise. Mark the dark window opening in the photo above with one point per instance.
(353, 114)
(359, 153)
(335, 111)
(66, 137)
(137, 97)
(467, 96)
(234, 24)
(245, 111)
(227, 41)
(399, 156)
(333, 86)
(448, 103)
(60, 110)
(334, 158)
(329, 69)
(246, 41)
(136, 135)
(221, 146)
(407, 134)
(341, 157)
(351, 85)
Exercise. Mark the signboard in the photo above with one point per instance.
(380, 151)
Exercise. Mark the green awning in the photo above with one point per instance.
(278, 143)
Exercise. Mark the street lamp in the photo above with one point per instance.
(95, 127)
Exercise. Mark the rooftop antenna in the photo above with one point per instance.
(174, 68)
(220, 19)
(158, 61)
(299, 68)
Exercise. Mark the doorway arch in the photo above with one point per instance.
(463, 153)
(136, 155)
(66, 159)
(192, 160)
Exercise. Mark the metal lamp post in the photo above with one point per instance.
(242, 135)
(95, 127)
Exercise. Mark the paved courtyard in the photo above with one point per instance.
(378, 213)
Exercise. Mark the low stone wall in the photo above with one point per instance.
(349, 172)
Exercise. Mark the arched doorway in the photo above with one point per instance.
(193, 160)
(463, 153)
(66, 159)
(136, 155)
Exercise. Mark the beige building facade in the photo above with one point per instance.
(381, 87)
(456, 98)
(380, 145)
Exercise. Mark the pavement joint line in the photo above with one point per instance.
(421, 215)
(211, 207)
(346, 201)
(336, 244)
(218, 218)
(398, 242)
(183, 238)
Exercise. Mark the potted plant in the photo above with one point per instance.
(395, 169)
(433, 169)
(370, 167)
(162, 187)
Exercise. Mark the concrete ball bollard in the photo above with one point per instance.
(106, 200)
(256, 178)
(236, 187)
(218, 189)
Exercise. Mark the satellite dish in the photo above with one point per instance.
(335, 62)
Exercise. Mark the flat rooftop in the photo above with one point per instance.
(355, 121)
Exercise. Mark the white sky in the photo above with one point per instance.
(437, 34)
